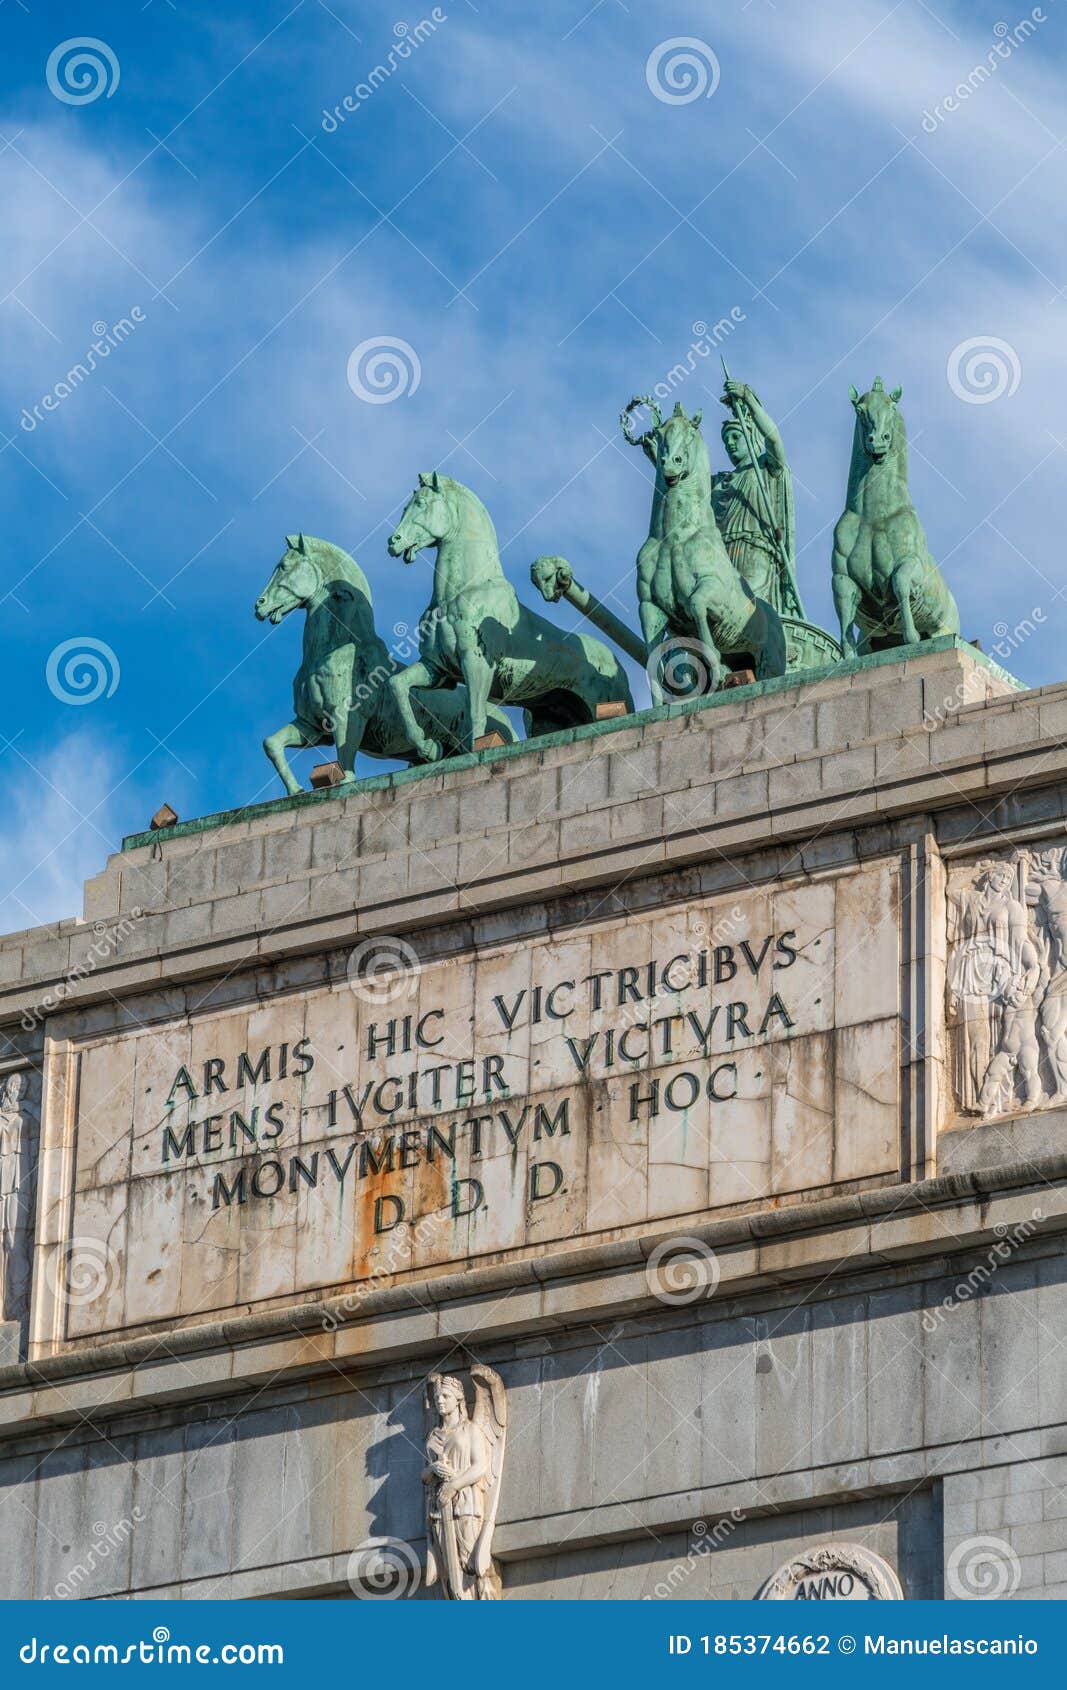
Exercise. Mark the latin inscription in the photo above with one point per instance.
(677, 1011)
(638, 1071)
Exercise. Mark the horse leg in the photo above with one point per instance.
(348, 737)
(418, 675)
(653, 628)
(478, 679)
(698, 610)
(903, 581)
(846, 602)
(292, 737)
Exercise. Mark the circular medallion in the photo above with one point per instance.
(834, 1572)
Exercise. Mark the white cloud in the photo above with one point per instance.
(260, 344)
(60, 824)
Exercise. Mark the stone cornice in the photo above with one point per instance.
(929, 1220)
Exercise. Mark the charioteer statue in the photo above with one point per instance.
(754, 510)
(753, 502)
(718, 570)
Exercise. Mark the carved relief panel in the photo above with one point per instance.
(1007, 982)
(19, 1133)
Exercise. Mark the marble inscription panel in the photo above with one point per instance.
(615, 1076)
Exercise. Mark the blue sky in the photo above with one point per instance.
(516, 202)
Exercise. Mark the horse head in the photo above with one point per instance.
(551, 576)
(296, 580)
(878, 422)
(676, 446)
(681, 451)
(427, 518)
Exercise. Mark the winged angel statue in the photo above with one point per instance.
(465, 1459)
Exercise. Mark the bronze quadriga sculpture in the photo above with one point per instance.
(341, 692)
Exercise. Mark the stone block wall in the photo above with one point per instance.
(667, 1452)
(794, 765)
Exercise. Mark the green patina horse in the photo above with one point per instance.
(476, 631)
(688, 590)
(341, 692)
(886, 585)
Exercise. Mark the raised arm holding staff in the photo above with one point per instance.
(753, 501)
